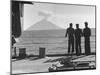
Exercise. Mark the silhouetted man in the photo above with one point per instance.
(70, 33)
(87, 34)
(78, 34)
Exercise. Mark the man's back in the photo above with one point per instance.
(78, 33)
(70, 32)
(87, 32)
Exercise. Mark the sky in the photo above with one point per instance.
(59, 14)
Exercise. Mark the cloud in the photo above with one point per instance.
(44, 13)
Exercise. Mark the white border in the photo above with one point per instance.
(5, 37)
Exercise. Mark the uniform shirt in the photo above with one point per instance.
(70, 32)
(87, 32)
(78, 33)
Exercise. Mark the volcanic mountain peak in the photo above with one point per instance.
(43, 25)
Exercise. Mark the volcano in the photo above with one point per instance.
(44, 25)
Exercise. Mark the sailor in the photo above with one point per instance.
(87, 34)
(70, 34)
(78, 34)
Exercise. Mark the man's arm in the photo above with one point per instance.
(66, 33)
(90, 33)
(81, 32)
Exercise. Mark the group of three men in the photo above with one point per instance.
(75, 35)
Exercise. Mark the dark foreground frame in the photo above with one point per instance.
(54, 55)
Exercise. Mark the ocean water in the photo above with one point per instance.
(52, 40)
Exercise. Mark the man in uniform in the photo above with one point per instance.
(87, 34)
(70, 33)
(78, 34)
